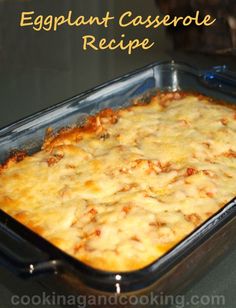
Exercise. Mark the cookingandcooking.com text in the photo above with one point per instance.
(114, 300)
(38, 22)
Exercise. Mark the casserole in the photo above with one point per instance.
(116, 94)
(121, 190)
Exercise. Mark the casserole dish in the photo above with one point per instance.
(29, 254)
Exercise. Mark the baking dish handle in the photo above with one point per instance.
(20, 256)
(220, 77)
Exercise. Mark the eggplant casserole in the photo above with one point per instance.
(120, 191)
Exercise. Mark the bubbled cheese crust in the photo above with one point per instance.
(123, 189)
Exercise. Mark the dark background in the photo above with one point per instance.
(39, 69)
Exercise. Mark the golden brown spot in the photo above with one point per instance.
(135, 238)
(210, 194)
(93, 211)
(97, 232)
(15, 157)
(231, 153)
(191, 171)
(108, 115)
(152, 167)
(22, 216)
(36, 228)
(166, 98)
(126, 209)
(165, 167)
(157, 224)
(91, 185)
(78, 247)
(54, 159)
(193, 218)
(224, 121)
(207, 144)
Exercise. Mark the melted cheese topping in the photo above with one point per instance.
(122, 190)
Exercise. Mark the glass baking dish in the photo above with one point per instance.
(29, 255)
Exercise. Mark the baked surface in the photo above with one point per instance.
(123, 189)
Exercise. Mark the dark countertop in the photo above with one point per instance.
(40, 69)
